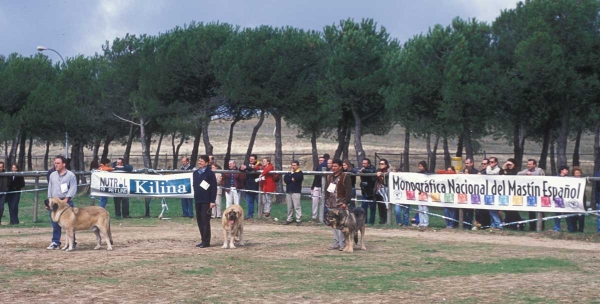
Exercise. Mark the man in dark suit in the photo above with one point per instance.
(205, 185)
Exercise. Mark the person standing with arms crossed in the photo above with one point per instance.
(62, 184)
(205, 185)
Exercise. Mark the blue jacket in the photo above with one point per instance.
(209, 195)
(296, 185)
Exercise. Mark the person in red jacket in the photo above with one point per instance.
(267, 185)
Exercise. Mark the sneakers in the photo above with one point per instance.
(53, 246)
(298, 223)
(267, 214)
(333, 247)
(286, 223)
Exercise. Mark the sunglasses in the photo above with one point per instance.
(381, 164)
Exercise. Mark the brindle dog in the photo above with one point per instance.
(350, 223)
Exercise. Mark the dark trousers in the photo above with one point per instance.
(575, 223)
(203, 219)
(533, 225)
(2, 201)
(382, 210)
(369, 207)
(121, 202)
(13, 206)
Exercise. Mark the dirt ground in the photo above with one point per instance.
(159, 263)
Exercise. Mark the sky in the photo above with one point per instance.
(74, 27)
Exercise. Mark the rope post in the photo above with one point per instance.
(322, 198)
(461, 218)
(260, 203)
(36, 199)
(539, 223)
(389, 214)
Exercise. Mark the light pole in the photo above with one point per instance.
(41, 49)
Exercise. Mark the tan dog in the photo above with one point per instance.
(75, 219)
(233, 224)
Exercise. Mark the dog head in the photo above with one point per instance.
(55, 205)
(334, 217)
(232, 215)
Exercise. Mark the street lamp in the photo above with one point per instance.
(41, 49)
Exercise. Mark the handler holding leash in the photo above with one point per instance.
(337, 195)
(62, 184)
(205, 193)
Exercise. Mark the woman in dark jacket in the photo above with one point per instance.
(16, 184)
(382, 170)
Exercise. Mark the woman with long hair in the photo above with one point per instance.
(381, 185)
(16, 184)
(423, 210)
(349, 168)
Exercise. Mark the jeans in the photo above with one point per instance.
(468, 217)
(495, 219)
(598, 217)
(423, 216)
(13, 206)
(451, 213)
(57, 230)
(402, 214)
(103, 201)
(557, 223)
(369, 204)
(187, 207)
(250, 199)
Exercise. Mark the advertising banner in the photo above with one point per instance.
(493, 192)
(141, 185)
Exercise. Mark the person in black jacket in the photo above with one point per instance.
(205, 186)
(251, 184)
(367, 189)
(15, 185)
(293, 181)
(316, 187)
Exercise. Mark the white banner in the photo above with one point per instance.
(141, 185)
(493, 192)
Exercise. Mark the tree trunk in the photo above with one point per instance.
(545, 144)
(406, 159)
(358, 147)
(29, 156)
(208, 147)
(106, 146)
(447, 159)
(552, 159)
(315, 152)
(22, 149)
(576, 149)
(596, 164)
(176, 148)
(341, 137)
(563, 136)
(229, 142)
(82, 162)
(149, 134)
(432, 153)
(468, 144)
(144, 141)
(13, 148)
(345, 153)
(196, 145)
(132, 130)
(518, 145)
(157, 154)
(278, 153)
(459, 145)
(253, 136)
(46, 152)
(96, 148)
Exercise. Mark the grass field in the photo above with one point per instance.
(156, 261)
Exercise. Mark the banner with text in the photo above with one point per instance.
(494, 192)
(141, 185)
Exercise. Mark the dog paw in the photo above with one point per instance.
(97, 247)
(241, 244)
(232, 246)
(363, 248)
(68, 250)
(109, 248)
(224, 246)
